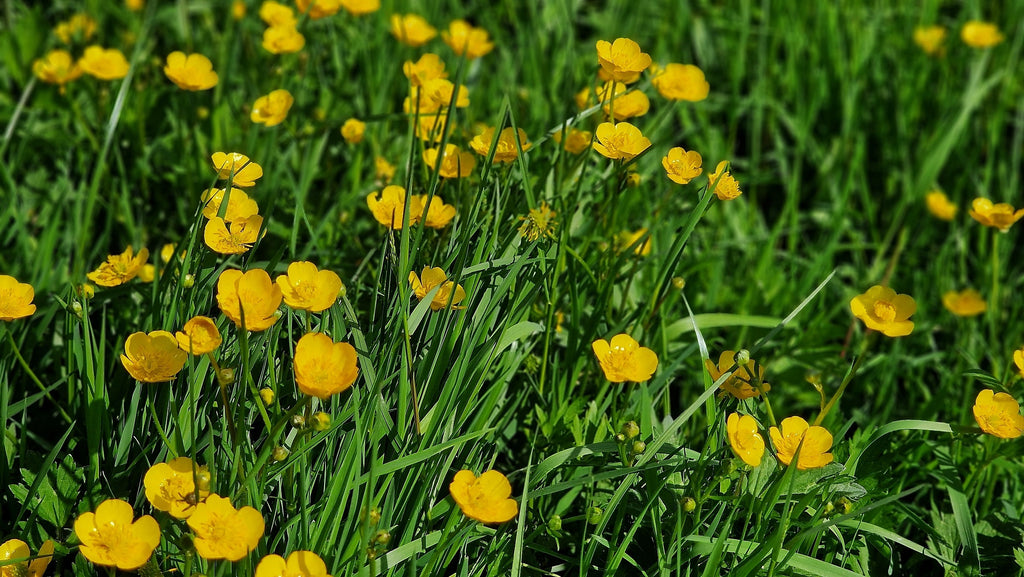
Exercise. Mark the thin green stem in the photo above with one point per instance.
(159, 428)
(847, 379)
(35, 379)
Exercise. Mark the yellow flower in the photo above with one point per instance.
(277, 14)
(816, 442)
(439, 214)
(272, 108)
(624, 359)
(135, 5)
(576, 141)
(383, 169)
(15, 298)
(237, 168)
(147, 273)
(485, 498)
(681, 165)
(199, 336)
(283, 40)
(153, 358)
(626, 104)
(931, 39)
(109, 64)
(324, 367)
(967, 303)
(238, 9)
(506, 149)
(622, 60)
(78, 27)
(111, 537)
(234, 238)
(240, 206)
(431, 126)
(299, 564)
(360, 7)
(388, 207)
(455, 163)
(626, 239)
(467, 40)
(744, 439)
(171, 487)
(320, 8)
(726, 188)
(538, 223)
(57, 67)
(119, 268)
(940, 206)
(251, 294)
(681, 82)
(619, 141)
(998, 414)
(411, 29)
(1001, 216)
(307, 288)
(428, 67)
(883, 310)
(741, 383)
(436, 277)
(437, 94)
(192, 72)
(222, 532)
(352, 131)
(1018, 359)
(977, 34)
(17, 549)
(582, 98)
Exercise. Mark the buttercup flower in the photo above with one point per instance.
(199, 336)
(428, 67)
(352, 131)
(119, 268)
(485, 498)
(17, 549)
(360, 7)
(431, 126)
(15, 298)
(506, 150)
(619, 141)
(283, 40)
(236, 167)
(539, 222)
(1018, 359)
(1001, 216)
(438, 214)
(192, 72)
(240, 206)
(171, 487)
(299, 564)
(726, 188)
(388, 207)
(238, 9)
(940, 206)
(931, 39)
(817, 441)
(883, 310)
(626, 104)
(466, 40)
(744, 439)
(681, 82)
(967, 303)
(57, 67)
(576, 141)
(307, 288)
(251, 294)
(626, 239)
(153, 358)
(109, 64)
(147, 273)
(433, 277)
(741, 383)
(324, 367)
(277, 14)
(977, 34)
(455, 163)
(436, 94)
(234, 238)
(223, 532)
(998, 414)
(78, 27)
(113, 537)
(383, 169)
(682, 166)
(411, 29)
(319, 8)
(622, 60)
(272, 109)
(624, 359)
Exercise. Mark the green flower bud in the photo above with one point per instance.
(555, 523)
(190, 281)
(594, 515)
(630, 429)
(742, 357)
(280, 453)
(382, 537)
(321, 421)
(679, 283)
(689, 504)
(639, 447)
(226, 377)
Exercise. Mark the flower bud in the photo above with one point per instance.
(203, 478)
(190, 281)
(268, 396)
(321, 421)
(594, 515)
(639, 447)
(86, 291)
(382, 537)
(689, 504)
(620, 438)
(203, 112)
(371, 553)
(742, 357)
(555, 523)
(298, 421)
(225, 377)
(630, 429)
(76, 308)
(829, 508)
(374, 515)
(278, 314)
(343, 292)
(280, 453)
(845, 504)
(679, 283)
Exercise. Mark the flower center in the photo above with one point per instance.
(885, 311)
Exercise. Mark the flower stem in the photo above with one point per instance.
(159, 428)
(847, 379)
(35, 379)
(993, 308)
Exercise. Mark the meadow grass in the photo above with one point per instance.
(835, 125)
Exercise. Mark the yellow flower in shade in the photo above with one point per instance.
(171, 487)
(1001, 216)
(619, 141)
(741, 383)
(360, 7)
(436, 277)
(283, 40)
(307, 288)
(883, 310)
(1018, 359)
(538, 223)
(109, 64)
(966, 303)
(113, 537)
(575, 141)
(998, 414)
(383, 169)
(622, 60)
(726, 188)
(626, 239)
(465, 40)
(299, 564)
(199, 336)
(153, 358)
(814, 450)
(17, 549)
(438, 214)
(272, 109)
(428, 67)
(324, 367)
(681, 82)
(681, 165)
(352, 131)
(455, 163)
(319, 8)
(147, 273)
(57, 67)
(240, 206)
(485, 498)
(119, 268)
(277, 14)
(582, 98)
(232, 238)
(744, 439)
(388, 207)
(931, 39)
(626, 103)
(411, 29)
(431, 126)
(625, 360)
(15, 298)
(135, 5)
(236, 167)
(78, 27)
(223, 532)
(251, 294)
(506, 149)
(940, 206)
(191, 72)
(977, 34)
(238, 9)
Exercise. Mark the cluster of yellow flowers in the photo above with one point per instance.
(974, 33)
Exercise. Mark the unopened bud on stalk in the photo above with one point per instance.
(620, 438)
(630, 429)
(225, 377)
(76, 308)
(742, 357)
(268, 396)
(679, 283)
(594, 515)
(298, 421)
(689, 504)
(280, 453)
(86, 291)
(555, 523)
(190, 281)
(639, 447)
(321, 421)
(382, 537)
